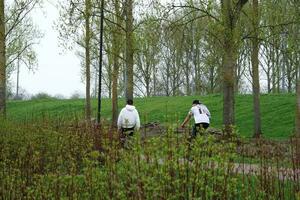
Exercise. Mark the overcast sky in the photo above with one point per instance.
(57, 73)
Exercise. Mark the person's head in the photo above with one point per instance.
(129, 102)
(196, 102)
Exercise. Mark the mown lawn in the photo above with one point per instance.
(278, 111)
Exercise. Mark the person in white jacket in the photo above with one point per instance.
(129, 119)
(201, 116)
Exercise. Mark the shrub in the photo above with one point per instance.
(77, 162)
(41, 95)
(77, 95)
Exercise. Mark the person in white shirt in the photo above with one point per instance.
(129, 119)
(201, 116)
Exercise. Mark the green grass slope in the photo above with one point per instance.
(278, 111)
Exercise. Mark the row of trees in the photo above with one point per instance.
(191, 47)
(118, 43)
(184, 48)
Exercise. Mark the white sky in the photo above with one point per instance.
(57, 73)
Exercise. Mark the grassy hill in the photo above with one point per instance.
(278, 111)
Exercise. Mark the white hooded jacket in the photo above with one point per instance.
(129, 118)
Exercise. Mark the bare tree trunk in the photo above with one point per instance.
(154, 81)
(148, 79)
(116, 47)
(298, 105)
(115, 92)
(109, 82)
(87, 62)
(2, 62)
(196, 68)
(268, 70)
(298, 108)
(228, 70)
(289, 76)
(187, 73)
(211, 79)
(277, 72)
(283, 72)
(255, 72)
(231, 12)
(297, 120)
(18, 76)
(96, 84)
(147, 87)
(228, 86)
(168, 82)
(272, 52)
(269, 77)
(129, 49)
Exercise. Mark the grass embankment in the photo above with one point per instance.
(277, 111)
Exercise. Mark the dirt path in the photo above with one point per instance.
(255, 169)
(281, 173)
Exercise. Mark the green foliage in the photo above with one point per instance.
(41, 95)
(45, 162)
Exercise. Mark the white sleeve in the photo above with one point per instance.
(206, 111)
(137, 122)
(120, 119)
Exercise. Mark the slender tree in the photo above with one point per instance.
(107, 74)
(297, 120)
(2, 61)
(129, 48)
(20, 49)
(298, 105)
(116, 50)
(87, 17)
(74, 14)
(255, 69)
(11, 19)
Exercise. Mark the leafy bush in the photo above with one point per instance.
(41, 95)
(77, 95)
(72, 161)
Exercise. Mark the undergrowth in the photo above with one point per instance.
(73, 161)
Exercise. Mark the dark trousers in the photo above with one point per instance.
(197, 128)
(128, 131)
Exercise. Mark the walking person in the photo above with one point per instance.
(128, 120)
(201, 116)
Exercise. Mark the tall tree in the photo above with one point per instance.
(107, 74)
(87, 16)
(116, 50)
(20, 49)
(74, 14)
(16, 13)
(297, 120)
(255, 69)
(230, 13)
(129, 48)
(2, 61)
